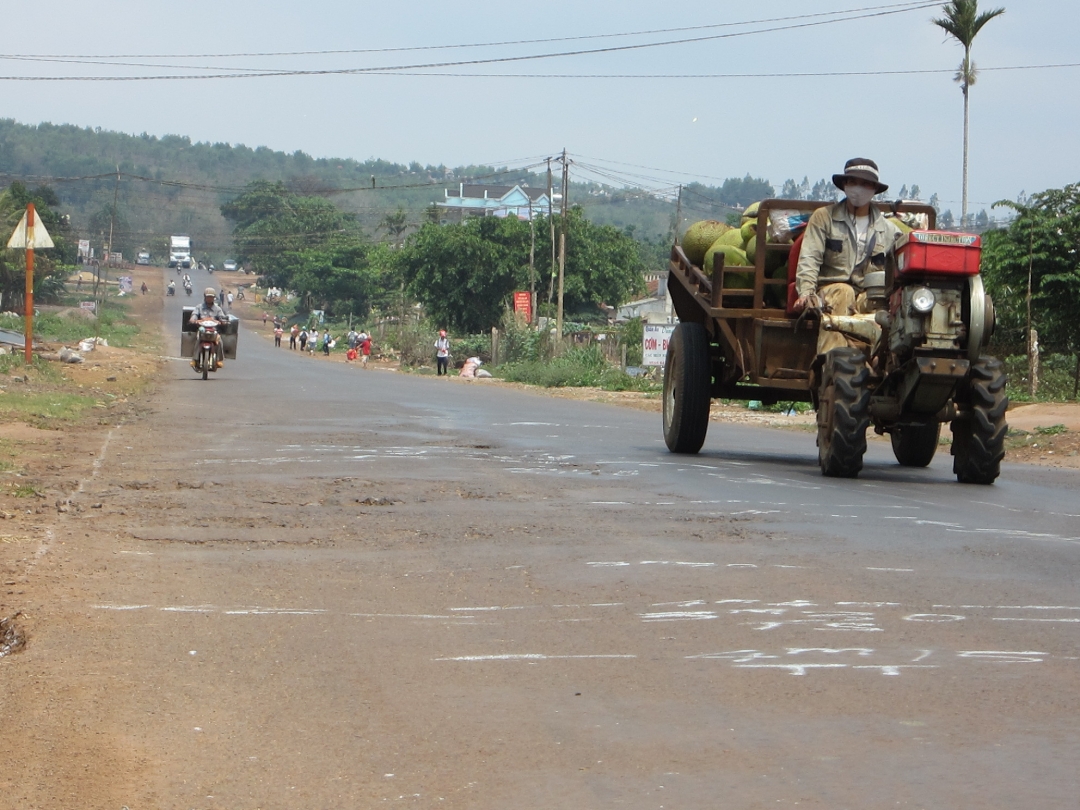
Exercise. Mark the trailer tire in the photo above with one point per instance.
(915, 445)
(979, 428)
(843, 413)
(687, 388)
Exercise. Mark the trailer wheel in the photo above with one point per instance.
(979, 429)
(915, 445)
(843, 416)
(687, 388)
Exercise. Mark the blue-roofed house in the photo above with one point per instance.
(495, 201)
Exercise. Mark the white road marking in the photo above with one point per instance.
(527, 657)
(1020, 619)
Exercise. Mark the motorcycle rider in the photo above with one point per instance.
(205, 311)
(172, 288)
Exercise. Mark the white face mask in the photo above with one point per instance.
(859, 195)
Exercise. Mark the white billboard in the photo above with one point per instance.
(654, 346)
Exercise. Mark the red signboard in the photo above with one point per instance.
(523, 305)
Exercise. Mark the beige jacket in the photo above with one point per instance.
(828, 249)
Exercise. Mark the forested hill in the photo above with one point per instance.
(171, 185)
(186, 183)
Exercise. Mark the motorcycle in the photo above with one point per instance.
(187, 289)
(206, 355)
(170, 290)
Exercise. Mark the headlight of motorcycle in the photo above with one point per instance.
(922, 300)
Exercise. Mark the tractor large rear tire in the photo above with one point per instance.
(843, 413)
(979, 429)
(687, 388)
(915, 445)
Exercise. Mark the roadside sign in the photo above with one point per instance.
(89, 306)
(41, 238)
(84, 248)
(654, 346)
(523, 305)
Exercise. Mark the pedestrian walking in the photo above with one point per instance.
(144, 288)
(326, 341)
(303, 338)
(265, 316)
(365, 349)
(278, 332)
(442, 353)
(354, 338)
(229, 298)
(293, 334)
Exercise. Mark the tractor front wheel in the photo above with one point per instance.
(979, 428)
(843, 413)
(915, 445)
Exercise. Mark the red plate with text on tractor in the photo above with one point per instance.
(938, 252)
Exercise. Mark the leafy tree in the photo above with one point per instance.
(740, 192)
(1040, 244)
(465, 273)
(395, 224)
(824, 190)
(308, 245)
(963, 22)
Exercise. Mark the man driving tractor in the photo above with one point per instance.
(843, 242)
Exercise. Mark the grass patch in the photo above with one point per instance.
(44, 409)
(110, 324)
(24, 491)
(1053, 430)
(576, 368)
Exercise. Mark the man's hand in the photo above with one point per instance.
(801, 303)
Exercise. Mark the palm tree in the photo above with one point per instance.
(963, 21)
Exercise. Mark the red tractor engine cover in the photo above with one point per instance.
(938, 253)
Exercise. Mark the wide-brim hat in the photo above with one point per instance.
(860, 169)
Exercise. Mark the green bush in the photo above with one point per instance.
(632, 336)
(1056, 378)
(467, 346)
(414, 343)
(575, 368)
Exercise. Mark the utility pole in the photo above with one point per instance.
(551, 224)
(562, 245)
(678, 214)
(532, 263)
(112, 217)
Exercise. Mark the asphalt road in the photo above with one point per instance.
(328, 587)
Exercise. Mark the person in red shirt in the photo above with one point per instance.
(365, 349)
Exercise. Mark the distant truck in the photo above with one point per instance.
(180, 252)
(142, 257)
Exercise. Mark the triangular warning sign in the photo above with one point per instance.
(41, 236)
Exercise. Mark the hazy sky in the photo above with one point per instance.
(1024, 123)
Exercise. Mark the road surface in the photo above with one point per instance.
(301, 584)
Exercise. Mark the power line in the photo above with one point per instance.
(908, 6)
(463, 63)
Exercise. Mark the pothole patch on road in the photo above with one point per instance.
(383, 501)
(12, 636)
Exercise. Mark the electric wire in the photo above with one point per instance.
(908, 6)
(460, 63)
